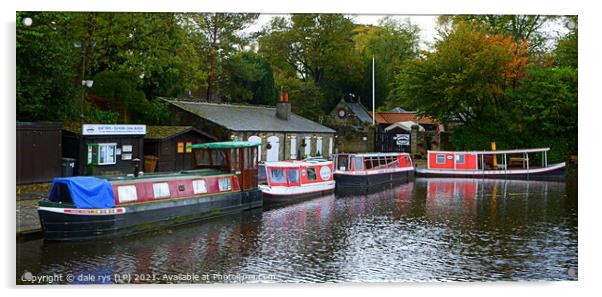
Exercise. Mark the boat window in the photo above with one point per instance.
(199, 186)
(234, 159)
(393, 162)
(293, 176)
(161, 190)
(440, 159)
(357, 163)
(127, 193)
(460, 159)
(218, 157)
(261, 176)
(202, 157)
(277, 175)
(224, 184)
(368, 162)
(311, 173)
(342, 163)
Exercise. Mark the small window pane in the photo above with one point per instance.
(224, 184)
(277, 175)
(358, 164)
(293, 176)
(127, 193)
(311, 173)
(459, 159)
(161, 190)
(199, 186)
(440, 159)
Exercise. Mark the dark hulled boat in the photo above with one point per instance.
(367, 170)
(89, 207)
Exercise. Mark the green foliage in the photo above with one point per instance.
(249, 80)
(46, 63)
(566, 52)
(305, 97)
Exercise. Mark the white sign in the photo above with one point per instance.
(402, 139)
(92, 129)
(325, 173)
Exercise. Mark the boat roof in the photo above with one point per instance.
(295, 163)
(165, 176)
(225, 145)
(515, 151)
(374, 154)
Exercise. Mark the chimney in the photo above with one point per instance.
(283, 107)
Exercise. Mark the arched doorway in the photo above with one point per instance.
(273, 151)
(255, 138)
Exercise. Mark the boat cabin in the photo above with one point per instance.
(295, 173)
(371, 162)
(236, 157)
(487, 160)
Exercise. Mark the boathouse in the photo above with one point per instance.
(353, 124)
(283, 135)
(398, 130)
(100, 149)
(167, 148)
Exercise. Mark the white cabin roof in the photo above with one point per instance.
(500, 152)
(374, 154)
(294, 163)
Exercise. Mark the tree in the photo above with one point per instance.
(249, 79)
(469, 71)
(391, 43)
(315, 48)
(217, 36)
(522, 28)
(566, 52)
(46, 68)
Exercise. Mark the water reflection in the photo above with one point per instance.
(426, 229)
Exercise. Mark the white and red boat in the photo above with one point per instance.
(364, 170)
(519, 163)
(288, 181)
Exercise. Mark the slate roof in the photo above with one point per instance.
(166, 132)
(360, 112)
(249, 118)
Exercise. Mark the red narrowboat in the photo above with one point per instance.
(86, 207)
(520, 163)
(289, 181)
(371, 169)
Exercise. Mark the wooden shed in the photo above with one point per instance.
(103, 149)
(167, 145)
(38, 152)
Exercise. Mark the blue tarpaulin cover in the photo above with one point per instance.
(86, 191)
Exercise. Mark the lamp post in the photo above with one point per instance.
(85, 83)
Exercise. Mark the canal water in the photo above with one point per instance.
(422, 230)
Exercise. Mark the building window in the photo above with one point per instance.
(224, 184)
(460, 159)
(127, 193)
(199, 186)
(107, 153)
(319, 147)
(277, 175)
(440, 159)
(161, 190)
(311, 173)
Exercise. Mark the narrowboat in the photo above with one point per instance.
(365, 170)
(84, 207)
(289, 181)
(519, 163)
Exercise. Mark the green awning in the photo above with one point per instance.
(224, 145)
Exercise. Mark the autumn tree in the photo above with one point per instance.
(469, 71)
